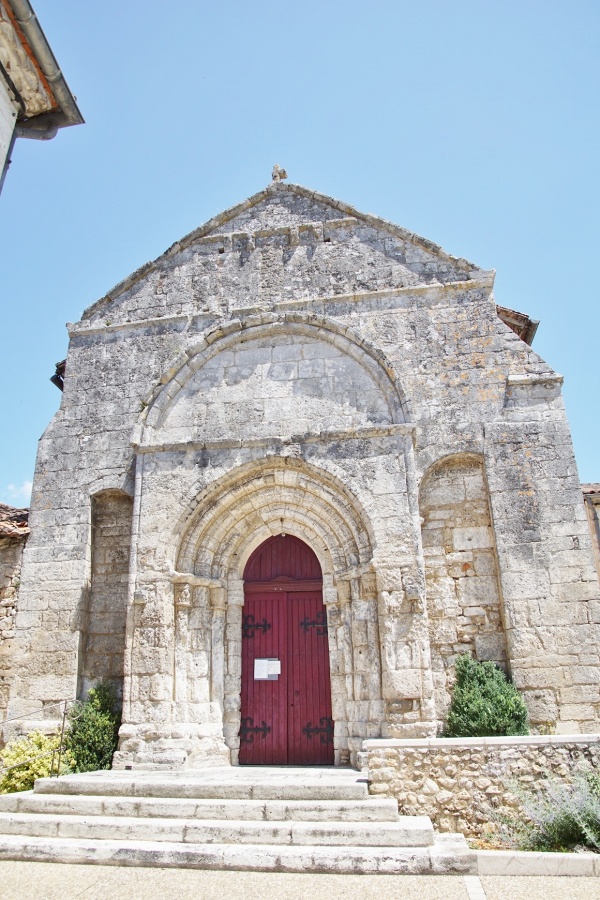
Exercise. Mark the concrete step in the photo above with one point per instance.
(368, 810)
(408, 831)
(448, 855)
(200, 786)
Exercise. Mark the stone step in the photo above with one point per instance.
(369, 810)
(448, 855)
(199, 786)
(408, 831)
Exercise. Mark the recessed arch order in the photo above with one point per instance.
(268, 497)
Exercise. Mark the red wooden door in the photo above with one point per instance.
(286, 718)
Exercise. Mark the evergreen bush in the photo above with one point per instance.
(93, 729)
(32, 755)
(484, 703)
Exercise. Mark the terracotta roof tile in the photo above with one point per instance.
(13, 522)
(593, 488)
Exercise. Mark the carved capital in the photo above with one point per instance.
(183, 596)
(413, 589)
(218, 597)
(343, 592)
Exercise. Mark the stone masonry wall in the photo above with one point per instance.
(465, 784)
(461, 572)
(103, 632)
(11, 552)
(8, 112)
(549, 586)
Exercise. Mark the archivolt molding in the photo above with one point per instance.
(113, 484)
(157, 405)
(270, 497)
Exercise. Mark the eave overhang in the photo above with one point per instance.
(32, 74)
(520, 323)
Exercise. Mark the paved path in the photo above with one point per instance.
(49, 881)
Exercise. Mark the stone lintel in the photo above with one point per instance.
(321, 437)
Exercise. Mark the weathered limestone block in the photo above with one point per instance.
(182, 745)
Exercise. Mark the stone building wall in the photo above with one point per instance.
(466, 784)
(461, 571)
(8, 112)
(14, 532)
(11, 553)
(294, 334)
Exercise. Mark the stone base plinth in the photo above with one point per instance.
(176, 745)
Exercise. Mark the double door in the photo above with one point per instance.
(286, 689)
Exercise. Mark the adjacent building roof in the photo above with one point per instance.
(13, 522)
(32, 74)
(589, 489)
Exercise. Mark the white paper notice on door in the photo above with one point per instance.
(267, 669)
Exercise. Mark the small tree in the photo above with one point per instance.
(94, 728)
(484, 703)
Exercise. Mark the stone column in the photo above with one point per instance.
(199, 650)
(227, 653)
(183, 603)
(340, 663)
(218, 604)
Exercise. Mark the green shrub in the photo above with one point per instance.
(93, 729)
(556, 815)
(22, 753)
(484, 703)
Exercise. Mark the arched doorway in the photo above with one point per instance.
(286, 688)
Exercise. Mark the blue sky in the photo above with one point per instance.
(474, 124)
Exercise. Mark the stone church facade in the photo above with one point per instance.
(298, 370)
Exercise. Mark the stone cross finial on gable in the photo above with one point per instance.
(278, 174)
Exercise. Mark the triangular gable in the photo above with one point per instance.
(290, 206)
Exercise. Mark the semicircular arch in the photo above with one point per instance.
(456, 458)
(307, 360)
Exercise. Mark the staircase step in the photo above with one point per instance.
(252, 818)
(369, 810)
(408, 831)
(443, 857)
(199, 786)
